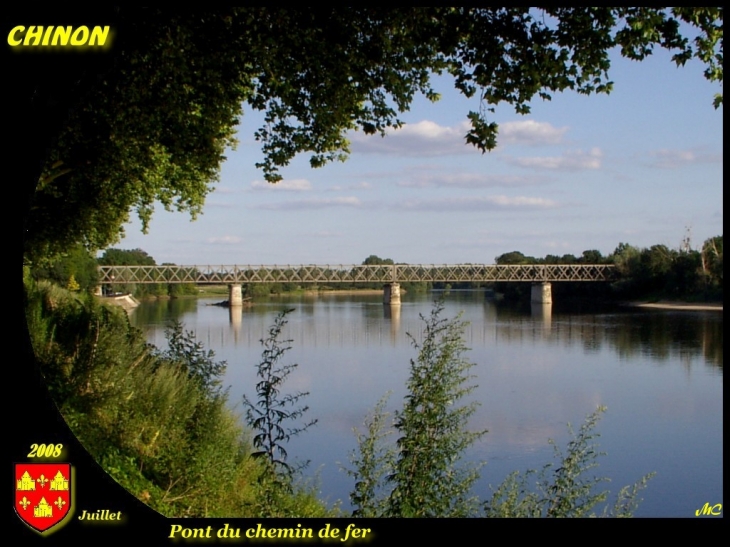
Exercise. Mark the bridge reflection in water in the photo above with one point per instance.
(319, 323)
(375, 326)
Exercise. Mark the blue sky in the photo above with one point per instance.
(642, 165)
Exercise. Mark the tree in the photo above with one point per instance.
(712, 259)
(76, 263)
(433, 426)
(126, 257)
(149, 122)
(592, 256)
(514, 257)
(375, 260)
(421, 477)
(132, 257)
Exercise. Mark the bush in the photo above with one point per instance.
(423, 478)
(564, 490)
(420, 476)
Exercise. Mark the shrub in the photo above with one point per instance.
(421, 476)
(272, 410)
(565, 490)
(424, 478)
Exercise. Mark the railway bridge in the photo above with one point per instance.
(389, 275)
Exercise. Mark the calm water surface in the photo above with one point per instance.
(660, 374)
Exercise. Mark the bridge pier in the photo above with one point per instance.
(541, 293)
(391, 294)
(235, 296)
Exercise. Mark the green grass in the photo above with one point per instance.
(157, 420)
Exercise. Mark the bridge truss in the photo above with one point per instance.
(356, 273)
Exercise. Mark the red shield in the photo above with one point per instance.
(42, 493)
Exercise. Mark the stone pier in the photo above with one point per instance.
(391, 294)
(541, 293)
(235, 296)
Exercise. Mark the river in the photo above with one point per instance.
(659, 372)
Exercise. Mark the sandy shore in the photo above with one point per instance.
(689, 306)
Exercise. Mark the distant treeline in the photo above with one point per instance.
(646, 273)
(649, 273)
(76, 270)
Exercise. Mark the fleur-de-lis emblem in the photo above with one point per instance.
(59, 503)
(24, 503)
(42, 480)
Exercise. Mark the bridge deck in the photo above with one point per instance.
(355, 273)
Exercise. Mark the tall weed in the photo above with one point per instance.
(420, 475)
(568, 489)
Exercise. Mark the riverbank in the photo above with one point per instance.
(670, 305)
(125, 301)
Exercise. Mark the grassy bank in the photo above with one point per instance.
(157, 420)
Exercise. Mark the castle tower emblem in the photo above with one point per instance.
(42, 493)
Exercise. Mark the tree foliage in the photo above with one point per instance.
(661, 272)
(151, 122)
(126, 257)
(375, 260)
(76, 263)
(132, 257)
(372, 462)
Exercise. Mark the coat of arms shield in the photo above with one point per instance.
(42, 493)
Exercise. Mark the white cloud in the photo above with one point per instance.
(576, 160)
(302, 204)
(356, 186)
(224, 240)
(224, 190)
(530, 132)
(669, 159)
(470, 180)
(427, 138)
(424, 138)
(485, 203)
(294, 185)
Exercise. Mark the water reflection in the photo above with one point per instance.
(160, 311)
(391, 314)
(542, 314)
(360, 321)
(537, 368)
(235, 315)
